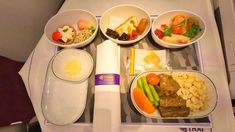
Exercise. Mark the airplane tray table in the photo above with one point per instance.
(184, 59)
(207, 57)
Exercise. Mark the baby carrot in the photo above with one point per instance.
(142, 101)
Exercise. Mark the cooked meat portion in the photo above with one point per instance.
(174, 111)
(172, 101)
(170, 104)
(168, 86)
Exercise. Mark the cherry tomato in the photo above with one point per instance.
(159, 33)
(133, 35)
(130, 37)
(153, 79)
(82, 24)
(56, 36)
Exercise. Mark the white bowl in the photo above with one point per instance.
(166, 17)
(211, 94)
(70, 18)
(78, 60)
(124, 11)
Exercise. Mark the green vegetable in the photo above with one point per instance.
(139, 84)
(154, 93)
(184, 22)
(92, 29)
(167, 31)
(193, 31)
(65, 30)
(147, 90)
(155, 103)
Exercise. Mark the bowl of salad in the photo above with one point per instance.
(177, 29)
(72, 28)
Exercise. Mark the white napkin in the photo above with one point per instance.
(107, 111)
(34, 71)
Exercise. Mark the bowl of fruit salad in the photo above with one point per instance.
(177, 29)
(125, 24)
(71, 29)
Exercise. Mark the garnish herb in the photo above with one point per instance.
(184, 22)
(193, 31)
(92, 28)
(167, 31)
(65, 30)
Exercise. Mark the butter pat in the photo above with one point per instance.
(72, 67)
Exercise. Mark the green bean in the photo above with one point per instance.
(147, 89)
(154, 92)
(155, 103)
(139, 84)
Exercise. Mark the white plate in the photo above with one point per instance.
(211, 90)
(63, 102)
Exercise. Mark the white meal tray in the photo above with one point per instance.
(187, 58)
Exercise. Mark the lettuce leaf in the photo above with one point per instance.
(193, 31)
(167, 31)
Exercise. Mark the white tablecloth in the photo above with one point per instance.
(34, 70)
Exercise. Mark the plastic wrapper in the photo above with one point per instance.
(147, 60)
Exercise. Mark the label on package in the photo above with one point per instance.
(107, 79)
